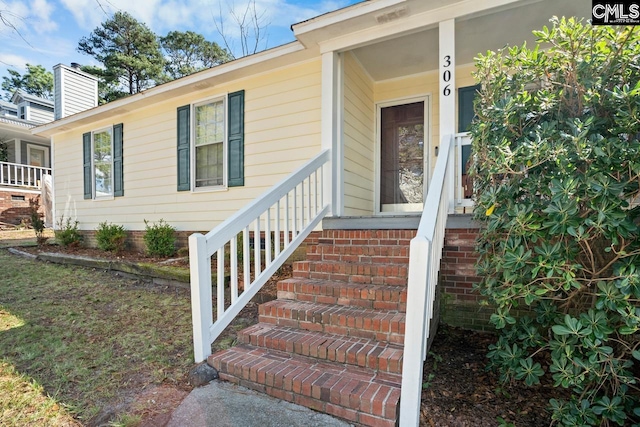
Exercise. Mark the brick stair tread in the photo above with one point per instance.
(383, 297)
(355, 272)
(363, 352)
(381, 325)
(357, 394)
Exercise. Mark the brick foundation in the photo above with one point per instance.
(460, 302)
(14, 206)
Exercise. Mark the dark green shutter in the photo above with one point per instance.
(184, 151)
(466, 95)
(236, 139)
(86, 163)
(118, 175)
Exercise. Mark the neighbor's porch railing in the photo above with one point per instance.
(425, 253)
(285, 216)
(17, 175)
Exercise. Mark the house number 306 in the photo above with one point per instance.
(446, 75)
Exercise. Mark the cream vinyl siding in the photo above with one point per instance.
(282, 131)
(359, 139)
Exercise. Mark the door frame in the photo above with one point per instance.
(426, 98)
(38, 147)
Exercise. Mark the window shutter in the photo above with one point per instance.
(118, 176)
(86, 163)
(466, 95)
(236, 139)
(184, 152)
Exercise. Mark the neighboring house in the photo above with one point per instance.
(27, 161)
(25, 171)
(379, 95)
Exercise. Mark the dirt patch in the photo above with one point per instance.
(460, 392)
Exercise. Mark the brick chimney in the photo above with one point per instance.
(74, 90)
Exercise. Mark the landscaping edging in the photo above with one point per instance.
(147, 272)
(157, 275)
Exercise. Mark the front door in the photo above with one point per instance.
(402, 160)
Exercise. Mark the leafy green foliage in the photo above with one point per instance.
(189, 52)
(160, 238)
(4, 151)
(557, 176)
(111, 237)
(129, 51)
(36, 81)
(67, 233)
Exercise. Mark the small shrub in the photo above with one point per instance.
(111, 237)
(67, 233)
(160, 238)
(37, 223)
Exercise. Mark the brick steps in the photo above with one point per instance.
(380, 325)
(333, 339)
(353, 272)
(341, 293)
(356, 394)
(362, 352)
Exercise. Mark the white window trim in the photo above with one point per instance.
(93, 166)
(225, 146)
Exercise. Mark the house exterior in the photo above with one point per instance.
(375, 94)
(27, 161)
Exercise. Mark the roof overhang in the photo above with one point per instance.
(244, 67)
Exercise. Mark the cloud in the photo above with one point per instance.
(32, 16)
(11, 60)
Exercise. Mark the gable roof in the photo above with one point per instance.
(20, 94)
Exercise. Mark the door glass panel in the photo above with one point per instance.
(402, 157)
(36, 157)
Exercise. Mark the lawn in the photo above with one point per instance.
(78, 346)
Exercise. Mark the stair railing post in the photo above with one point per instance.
(201, 297)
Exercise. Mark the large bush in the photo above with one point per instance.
(557, 165)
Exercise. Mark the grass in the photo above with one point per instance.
(77, 345)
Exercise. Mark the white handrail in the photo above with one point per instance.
(299, 219)
(18, 175)
(425, 253)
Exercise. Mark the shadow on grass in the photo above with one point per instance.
(91, 340)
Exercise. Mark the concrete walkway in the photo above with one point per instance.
(222, 404)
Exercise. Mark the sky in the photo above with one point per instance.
(48, 31)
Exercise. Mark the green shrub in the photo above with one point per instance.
(160, 238)
(557, 163)
(37, 223)
(111, 237)
(67, 233)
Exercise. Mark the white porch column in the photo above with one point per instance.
(331, 134)
(448, 93)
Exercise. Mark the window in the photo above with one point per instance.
(209, 131)
(103, 173)
(102, 163)
(210, 145)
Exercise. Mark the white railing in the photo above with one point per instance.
(425, 253)
(285, 216)
(463, 183)
(17, 175)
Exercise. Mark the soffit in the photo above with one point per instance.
(418, 52)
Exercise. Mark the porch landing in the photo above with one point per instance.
(332, 341)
